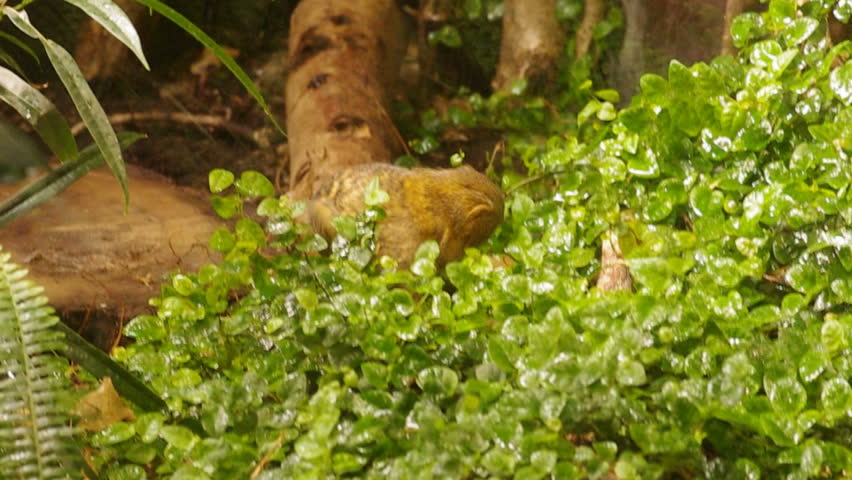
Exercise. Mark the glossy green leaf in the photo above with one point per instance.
(800, 30)
(608, 95)
(833, 335)
(447, 35)
(114, 434)
(746, 27)
(607, 112)
(227, 206)
(115, 21)
(248, 230)
(40, 113)
(836, 395)
(374, 195)
(219, 179)
(631, 373)
(498, 352)
(343, 462)
(222, 240)
(840, 81)
(806, 278)
(843, 10)
(591, 108)
(146, 328)
(178, 437)
(500, 461)
(472, 8)
(254, 184)
(786, 395)
(438, 381)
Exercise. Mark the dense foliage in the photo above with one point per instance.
(728, 185)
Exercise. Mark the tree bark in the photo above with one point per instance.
(89, 255)
(732, 9)
(531, 44)
(593, 12)
(614, 274)
(631, 58)
(344, 62)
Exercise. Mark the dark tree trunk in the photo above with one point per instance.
(344, 61)
(531, 45)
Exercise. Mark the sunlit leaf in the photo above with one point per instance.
(115, 21)
(40, 113)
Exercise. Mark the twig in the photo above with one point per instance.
(263, 461)
(535, 178)
(279, 171)
(177, 117)
(499, 147)
(393, 128)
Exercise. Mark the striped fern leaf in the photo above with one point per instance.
(36, 436)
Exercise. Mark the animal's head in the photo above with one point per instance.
(476, 204)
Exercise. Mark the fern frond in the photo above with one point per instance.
(36, 436)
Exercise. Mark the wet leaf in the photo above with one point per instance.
(102, 407)
(254, 184)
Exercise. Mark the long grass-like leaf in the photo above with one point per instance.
(115, 21)
(217, 50)
(18, 150)
(91, 111)
(99, 364)
(36, 437)
(56, 181)
(23, 46)
(40, 112)
(7, 59)
(22, 21)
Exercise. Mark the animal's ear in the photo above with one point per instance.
(476, 211)
(446, 238)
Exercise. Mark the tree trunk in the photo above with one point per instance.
(593, 12)
(531, 44)
(631, 58)
(344, 61)
(732, 9)
(89, 255)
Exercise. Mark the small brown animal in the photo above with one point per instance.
(457, 207)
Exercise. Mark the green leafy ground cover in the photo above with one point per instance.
(728, 184)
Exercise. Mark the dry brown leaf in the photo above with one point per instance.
(614, 276)
(102, 407)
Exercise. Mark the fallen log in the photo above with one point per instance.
(89, 255)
